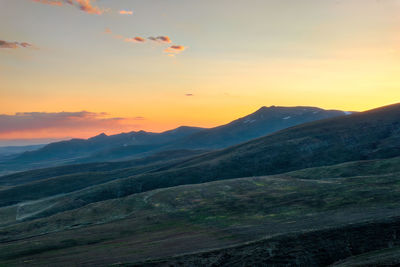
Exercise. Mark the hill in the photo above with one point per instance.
(230, 220)
(369, 135)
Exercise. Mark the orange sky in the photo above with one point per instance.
(331, 54)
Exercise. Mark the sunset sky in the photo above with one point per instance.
(76, 68)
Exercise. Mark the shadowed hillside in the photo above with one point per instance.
(192, 218)
(368, 135)
(326, 176)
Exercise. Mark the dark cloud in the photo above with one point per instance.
(189, 94)
(163, 39)
(136, 39)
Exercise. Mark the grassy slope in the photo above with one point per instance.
(39, 174)
(44, 183)
(189, 218)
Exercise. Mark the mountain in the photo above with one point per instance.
(264, 121)
(126, 146)
(80, 147)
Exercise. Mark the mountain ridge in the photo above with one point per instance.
(125, 146)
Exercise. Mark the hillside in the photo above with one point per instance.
(336, 178)
(369, 135)
(256, 213)
(64, 179)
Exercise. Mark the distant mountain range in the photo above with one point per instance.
(131, 145)
(7, 152)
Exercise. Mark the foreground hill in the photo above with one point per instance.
(138, 144)
(330, 213)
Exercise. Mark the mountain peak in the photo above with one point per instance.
(97, 137)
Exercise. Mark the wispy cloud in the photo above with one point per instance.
(125, 12)
(14, 45)
(49, 2)
(84, 5)
(171, 51)
(175, 49)
(44, 124)
(163, 39)
(24, 44)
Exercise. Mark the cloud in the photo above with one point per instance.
(136, 39)
(5, 44)
(175, 49)
(125, 12)
(84, 5)
(25, 45)
(44, 124)
(14, 45)
(189, 94)
(171, 50)
(163, 39)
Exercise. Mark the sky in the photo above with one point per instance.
(76, 68)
